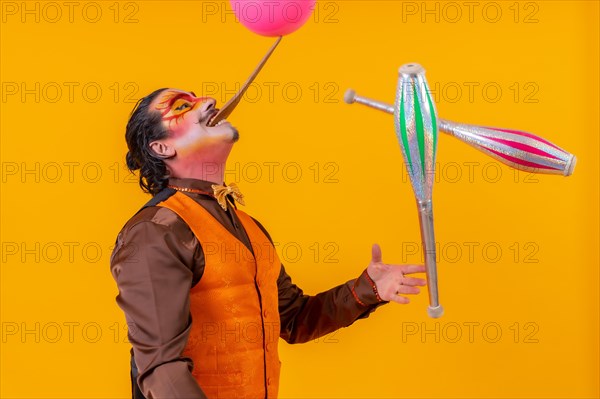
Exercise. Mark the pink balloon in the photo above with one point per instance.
(273, 17)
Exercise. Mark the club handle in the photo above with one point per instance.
(350, 97)
(425, 209)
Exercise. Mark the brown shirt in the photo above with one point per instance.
(157, 260)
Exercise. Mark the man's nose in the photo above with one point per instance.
(207, 104)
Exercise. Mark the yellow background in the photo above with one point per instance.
(542, 298)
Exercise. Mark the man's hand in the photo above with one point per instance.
(391, 280)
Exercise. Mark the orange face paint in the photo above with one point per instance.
(174, 105)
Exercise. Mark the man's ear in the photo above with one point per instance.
(162, 150)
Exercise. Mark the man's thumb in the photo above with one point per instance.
(376, 253)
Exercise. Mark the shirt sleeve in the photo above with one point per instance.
(149, 266)
(304, 318)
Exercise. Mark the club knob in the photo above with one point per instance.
(349, 96)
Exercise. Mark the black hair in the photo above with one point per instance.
(144, 127)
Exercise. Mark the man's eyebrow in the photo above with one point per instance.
(178, 95)
(170, 98)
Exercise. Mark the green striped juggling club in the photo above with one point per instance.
(415, 120)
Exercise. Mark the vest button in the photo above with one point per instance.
(265, 313)
(268, 347)
(269, 381)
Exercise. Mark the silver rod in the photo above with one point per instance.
(425, 208)
(351, 97)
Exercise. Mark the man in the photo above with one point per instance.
(204, 293)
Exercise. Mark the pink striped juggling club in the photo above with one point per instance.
(416, 124)
(518, 149)
(521, 150)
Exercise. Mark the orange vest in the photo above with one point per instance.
(234, 307)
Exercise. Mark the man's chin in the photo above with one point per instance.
(235, 135)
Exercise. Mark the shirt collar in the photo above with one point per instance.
(197, 184)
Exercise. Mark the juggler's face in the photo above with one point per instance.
(186, 117)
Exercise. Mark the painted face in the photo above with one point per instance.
(174, 104)
(186, 117)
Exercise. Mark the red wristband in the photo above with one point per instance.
(356, 296)
(373, 285)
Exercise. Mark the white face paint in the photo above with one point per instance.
(186, 117)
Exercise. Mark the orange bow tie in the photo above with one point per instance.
(221, 192)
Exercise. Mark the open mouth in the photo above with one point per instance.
(210, 118)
